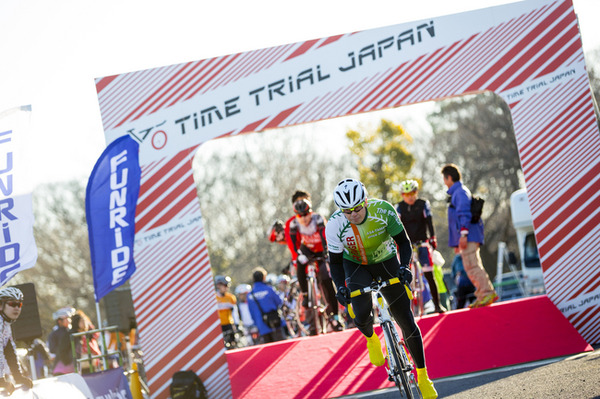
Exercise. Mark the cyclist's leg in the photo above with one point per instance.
(332, 311)
(427, 267)
(357, 277)
(327, 288)
(399, 305)
(301, 273)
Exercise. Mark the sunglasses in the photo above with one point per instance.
(301, 215)
(356, 209)
(15, 304)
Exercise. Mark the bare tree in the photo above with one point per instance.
(593, 62)
(62, 274)
(245, 183)
(476, 133)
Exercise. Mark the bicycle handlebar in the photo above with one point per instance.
(375, 285)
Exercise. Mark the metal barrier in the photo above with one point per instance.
(104, 352)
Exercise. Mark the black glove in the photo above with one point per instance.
(26, 382)
(8, 386)
(343, 295)
(405, 275)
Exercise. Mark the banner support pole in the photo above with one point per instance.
(104, 351)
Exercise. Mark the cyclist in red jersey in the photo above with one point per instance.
(308, 229)
(298, 195)
(280, 231)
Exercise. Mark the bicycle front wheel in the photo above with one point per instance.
(399, 370)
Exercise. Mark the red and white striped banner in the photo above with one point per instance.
(528, 52)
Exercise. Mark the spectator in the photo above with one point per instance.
(41, 358)
(289, 303)
(464, 288)
(438, 274)
(261, 300)
(62, 317)
(85, 345)
(245, 316)
(11, 302)
(415, 214)
(467, 237)
(226, 303)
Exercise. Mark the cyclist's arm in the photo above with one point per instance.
(404, 248)
(336, 266)
(291, 237)
(323, 240)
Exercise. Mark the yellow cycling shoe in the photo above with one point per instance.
(374, 348)
(425, 384)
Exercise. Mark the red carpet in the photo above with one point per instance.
(457, 342)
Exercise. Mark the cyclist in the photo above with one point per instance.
(308, 229)
(298, 195)
(415, 214)
(11, 302)
(226, 303)
(362, 237)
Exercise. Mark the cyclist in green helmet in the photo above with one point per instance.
(415, 214)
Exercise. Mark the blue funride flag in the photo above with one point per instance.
(110, 202)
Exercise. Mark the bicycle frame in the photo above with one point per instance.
(399, 367)
(314, 302)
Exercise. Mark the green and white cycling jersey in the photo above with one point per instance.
(368, 242)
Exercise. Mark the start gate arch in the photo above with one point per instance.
(529, 53)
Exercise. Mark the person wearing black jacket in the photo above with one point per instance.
(415, 214)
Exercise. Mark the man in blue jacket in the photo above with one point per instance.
(261, 300)
(466, 237)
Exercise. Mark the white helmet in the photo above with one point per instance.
(271, 279)
(408, 186)
(243, 289)
(67, 311)
(349, 193)
(283, 278)
(11, 293)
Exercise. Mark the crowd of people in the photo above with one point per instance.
(59, 351)
(365, 239)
